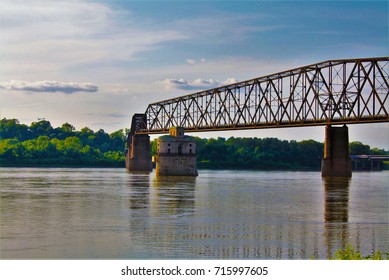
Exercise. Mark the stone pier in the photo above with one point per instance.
(138, 157)
(176, 154)
(336, 161)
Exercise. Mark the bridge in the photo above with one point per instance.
(329, 93)
(368, 162)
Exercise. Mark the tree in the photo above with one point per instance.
(11, 150)
(117, 140)
(72, 143)
(39, 148)
(41, 128)
(84, 135)
(357, 148)
(11, 128)
(310, 153)
(101, 140)
(66, 127)
(154, 147)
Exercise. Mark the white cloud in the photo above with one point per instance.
(197, 84)
(230, 81)
(48, 86)
(49, 39)
(192, 61)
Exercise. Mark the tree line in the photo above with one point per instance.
(266, 153)
(42, 145)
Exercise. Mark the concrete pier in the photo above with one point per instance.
(336, 161)
(176, 154)
(138, 157)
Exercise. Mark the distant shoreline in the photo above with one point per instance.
(41, 145)
(60, 166)
(199, 168)
(123, 166)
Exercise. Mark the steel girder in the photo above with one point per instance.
(330, 92)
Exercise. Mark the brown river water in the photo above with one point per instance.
(92, 213)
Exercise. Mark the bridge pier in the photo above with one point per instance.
(138, 157)
(176, 154)
(336, 161)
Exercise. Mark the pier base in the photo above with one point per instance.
(336, 161)
(174, 165)
(138, 157)
(176, 154)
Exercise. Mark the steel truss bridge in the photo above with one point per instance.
(342, 91)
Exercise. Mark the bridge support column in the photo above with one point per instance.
(336, 161)
(138, 156)
(176, 154)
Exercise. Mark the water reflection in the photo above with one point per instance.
(336, 197)
(160, 208)
(108, 213)
(336, 213)
(173, 195)
(228, 218)
(139, 186)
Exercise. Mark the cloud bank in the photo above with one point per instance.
(197, 84)
(48, 86)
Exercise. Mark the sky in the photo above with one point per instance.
(95, 63)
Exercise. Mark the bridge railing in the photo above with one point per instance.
(329, 92)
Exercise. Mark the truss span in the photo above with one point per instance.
(330, 92)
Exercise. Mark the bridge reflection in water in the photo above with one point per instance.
(207, 217)
(336, 212)
(72, 213)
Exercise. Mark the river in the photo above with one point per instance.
(96, 213)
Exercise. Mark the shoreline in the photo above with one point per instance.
(225, 169)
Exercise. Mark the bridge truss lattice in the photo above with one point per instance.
(330, 92)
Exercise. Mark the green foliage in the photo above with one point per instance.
(349, 253)
(255, 153)
(10, 128)
(42, 145)
(154, 147)
(263, 154)
(357, 148)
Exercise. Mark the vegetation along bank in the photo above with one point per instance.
(42, 145)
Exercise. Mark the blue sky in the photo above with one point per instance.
(96, 63)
